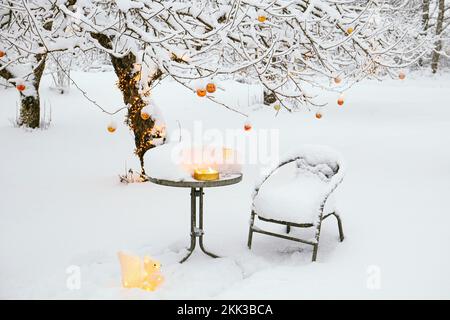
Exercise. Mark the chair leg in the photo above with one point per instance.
(288, 228)
(316, 245)
(250, 231)
(341, 230)
(314, 256)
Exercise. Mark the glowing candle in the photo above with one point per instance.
(228, 154)
(207, 174)
(228, 161)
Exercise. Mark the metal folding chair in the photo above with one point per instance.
(313, 162)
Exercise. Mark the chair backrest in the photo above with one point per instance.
(321, 161)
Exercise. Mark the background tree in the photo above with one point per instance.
(30, 32)
(22, 60)
(435, 25)
(439, 34)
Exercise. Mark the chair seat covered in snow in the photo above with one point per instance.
(295, 200)
(303, 199)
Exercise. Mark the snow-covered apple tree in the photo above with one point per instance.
(30, 32)
(22, 60)
(286, 46)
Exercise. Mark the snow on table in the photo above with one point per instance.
(177, 161)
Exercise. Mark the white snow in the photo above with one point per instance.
(125, 5)
(164, 162)
(296, 198)
(62, 206)
(297, 195)
(176, 161)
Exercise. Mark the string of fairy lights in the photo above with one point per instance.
(145, 128)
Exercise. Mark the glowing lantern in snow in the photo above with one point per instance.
(152, 274)
(131, 267)
(21, 87)
(152, 282)
(211, 87)
(112, 127)
(151, 266)
(401, 75)
(140, 274)
(2, 54)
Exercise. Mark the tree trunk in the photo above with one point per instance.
(30, 115)
(438, 44)
(30, 107)
(425, 21)
(128, 84)
(425, 14)
(269, 97)
(142, 129)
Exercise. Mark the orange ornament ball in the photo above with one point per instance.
(111, 128)
(262, 18)
(337, 80)
(2, 54)
(201, 92)
(318, 115)
(247, 127)
(340, 101)
(402, 76)
(211, 88)
(145, 115)
(350, 30)
(21, 87)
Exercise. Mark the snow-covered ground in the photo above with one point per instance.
(61, 203)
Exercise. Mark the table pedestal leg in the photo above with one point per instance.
(201, 225)
(197, 231)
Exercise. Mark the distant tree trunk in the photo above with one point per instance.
(425, 14)
(30, 114)
(425, 20)
(269, 97)
(438, 45)
(128, 85)
(30, 109)
(29, 105)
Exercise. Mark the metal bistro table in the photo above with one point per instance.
(197, 192)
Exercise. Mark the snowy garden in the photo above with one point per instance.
(180, 149)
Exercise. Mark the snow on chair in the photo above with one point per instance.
(303, 200)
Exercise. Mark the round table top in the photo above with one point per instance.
(224, 180)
